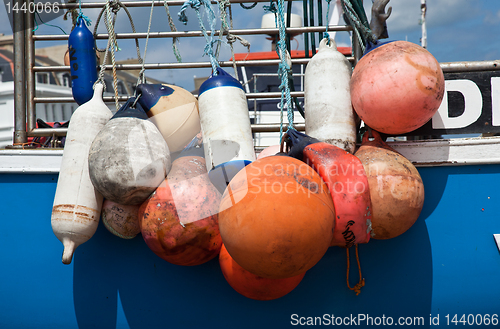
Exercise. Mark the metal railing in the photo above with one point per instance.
(24, 64)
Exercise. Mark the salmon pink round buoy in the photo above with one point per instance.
(254, 286)
(396, 188)
(121, 220)
(276, 217)
(397, 87)
(179, 220)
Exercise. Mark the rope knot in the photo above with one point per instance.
(195, 4)
(85, 18)
(271, 8)
(115, 6)
(231, 38)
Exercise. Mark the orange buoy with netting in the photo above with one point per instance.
(396, 188)
(397, 87)
(254, 286)
(276, 217)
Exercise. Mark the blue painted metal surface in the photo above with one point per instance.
(447, 263)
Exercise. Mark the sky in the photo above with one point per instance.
(457, 30)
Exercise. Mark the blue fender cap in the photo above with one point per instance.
(127, 111)
(150, 94)
(221, 79)
(221, 175)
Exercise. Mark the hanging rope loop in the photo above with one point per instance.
(357, 19)
(361, 283)
(142, 78)
(248, 7)
(208, 50)
(175, 40)
(326, 35)
(284, 68)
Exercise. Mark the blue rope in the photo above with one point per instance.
(326, 35)
(196, 4)
(85, 18)
(284, 70)
(40, 18)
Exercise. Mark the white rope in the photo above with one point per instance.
(142, 78)
(112, 44)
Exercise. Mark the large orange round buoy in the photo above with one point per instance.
(397, 87)
(396, 188)
(254, 286)
(276, 217)
(179, 220)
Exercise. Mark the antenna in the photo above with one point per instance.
(423, 9)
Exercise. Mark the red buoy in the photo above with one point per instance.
(346, 179)
(397, 87)
(254, 286)
(276, 217)
(179, 220)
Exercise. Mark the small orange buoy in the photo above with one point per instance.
(254, 286)
(397, 87)
(179, 220)
(276, 217)
(396, 188)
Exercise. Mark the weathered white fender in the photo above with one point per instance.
(129, 157)
(225, 125)
(329, 115)
(77, 205)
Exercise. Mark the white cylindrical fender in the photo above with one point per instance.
(225, 122)
(77, 205)
(329, 115)
(129, 157)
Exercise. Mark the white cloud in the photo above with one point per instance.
(492, 18)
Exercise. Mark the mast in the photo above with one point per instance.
(423, 9)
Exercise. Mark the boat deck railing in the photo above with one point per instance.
(25, 98)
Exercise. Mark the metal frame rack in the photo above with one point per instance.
(25, 68)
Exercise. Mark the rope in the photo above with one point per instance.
(326, 35)
(175, 40)
(111, 43)
(141, 78)
(196, 4)
(248, 7)
(361, 283)
(87, 20)
(358, 21)
(231, 38)
(40, 18)
(73, 13)
(117, 4)
(284, 68)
